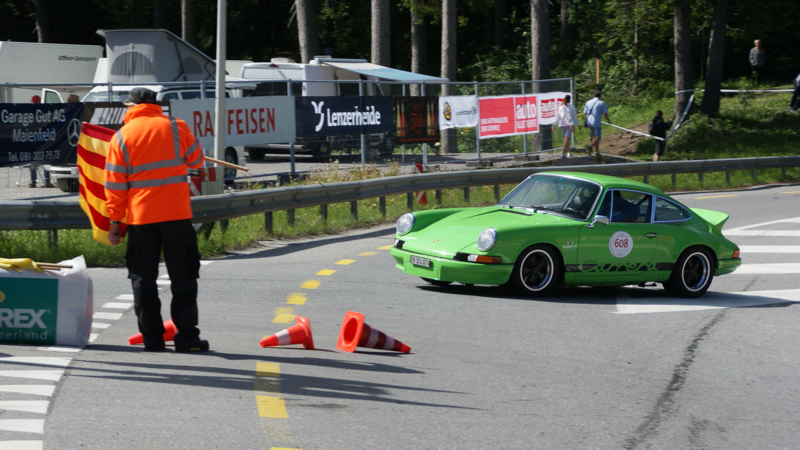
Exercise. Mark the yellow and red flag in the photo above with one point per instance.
(92, 151)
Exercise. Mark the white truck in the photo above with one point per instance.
(55, 65)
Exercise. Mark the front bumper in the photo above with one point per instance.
(455, 271)
(726, 266)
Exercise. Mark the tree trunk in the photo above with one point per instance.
(716, 51)
(418, 47)
(568, 32)
(683, 56)
(307, 30)
(42, 22)
(540, 62)
(189, 22)
(501, 28)
(160, 14)
(449, 139)
(381, 36)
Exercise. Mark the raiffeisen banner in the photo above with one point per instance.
(248, 121)
(344, 115)
(459, 111)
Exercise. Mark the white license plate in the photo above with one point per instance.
(417, 261)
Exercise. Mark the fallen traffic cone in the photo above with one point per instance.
(299, 333)
(169, 334)
(356, 333)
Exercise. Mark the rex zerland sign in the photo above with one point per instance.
(28, 310)
(343, 115)
(39, 133)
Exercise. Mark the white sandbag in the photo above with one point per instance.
(51, 308)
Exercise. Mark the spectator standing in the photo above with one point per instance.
(794, 105)
(145, 183)
(659, 129)
(35, 166)
(758, 56)
(567, 120)
(594, 109)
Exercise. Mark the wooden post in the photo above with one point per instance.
(354, 210)
(700, 178)
(223, 225)
(497, 192)
(53, 238)
(382, 206)
(290, 217)
(674, 181)
(728, 177)
(410, 201)
(783, 173)
(268, 222)
(755, 175)
(646, 179)
(323, 211)
(439, 197)
(466, 194)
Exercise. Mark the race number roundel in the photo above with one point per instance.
(620, 244)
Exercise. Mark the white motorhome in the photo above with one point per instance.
(323, 76)
(54, 65)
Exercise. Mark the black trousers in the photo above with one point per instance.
(179, 242)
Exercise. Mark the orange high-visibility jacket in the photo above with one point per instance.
(146, 175)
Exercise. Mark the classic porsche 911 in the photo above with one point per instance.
(562, 228)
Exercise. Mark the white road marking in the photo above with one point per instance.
(23, 425)
(165, 276)
(47, 375)
(37, 360)
(22, 445)
(710, 300)
(773, 233)
(32, 389)
(163, 282)
(769, 248)
(31, 406)
(93, 336)
(100, 325)
(205, 263)
(107, 316)
(772, 268)
(125, 297)
(118, 305)
(61, 349)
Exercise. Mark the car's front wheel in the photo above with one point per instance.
(692, 274)
(536, 271)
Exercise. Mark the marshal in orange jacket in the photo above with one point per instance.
(146, 175)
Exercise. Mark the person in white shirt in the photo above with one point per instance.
(567, 120)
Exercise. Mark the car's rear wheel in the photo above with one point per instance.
(536, 271)
(436, 282)
(692, 274)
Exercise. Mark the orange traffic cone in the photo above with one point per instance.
(170, 330)
(356, 333)
(299, 333)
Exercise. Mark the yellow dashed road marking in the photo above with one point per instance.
(310, 284)
(283, 315)
(268, 369)
(385, 247)
(367, 253)
(272, 407)
(792, 192)
(345, 262)
(326, 272)
(296, 298)
(715, 196)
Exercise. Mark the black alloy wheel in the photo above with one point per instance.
(536, 271)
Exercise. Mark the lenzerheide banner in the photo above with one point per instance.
(458, 111)
(39, 133)
(416, 119)
(328, 116)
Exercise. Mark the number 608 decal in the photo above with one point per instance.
(620, 244)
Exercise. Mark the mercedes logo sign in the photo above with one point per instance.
(74, 132)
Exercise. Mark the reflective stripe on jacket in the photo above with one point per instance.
(146, 167)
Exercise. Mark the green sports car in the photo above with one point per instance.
(563, 228)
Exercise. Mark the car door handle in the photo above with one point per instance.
(651, 235)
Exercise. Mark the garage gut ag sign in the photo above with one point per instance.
(28, 310)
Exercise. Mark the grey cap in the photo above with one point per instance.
(140, 95)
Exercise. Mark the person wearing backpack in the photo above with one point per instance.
(658, 128)
(594, 109)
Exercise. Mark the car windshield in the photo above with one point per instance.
(116, 96)
(571, 197)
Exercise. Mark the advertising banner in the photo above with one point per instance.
(526, 112)
(40, 133)
(415, 119)
(548, 106)
(458, 111)
(250, 120)
(317, 116)
(497, 117)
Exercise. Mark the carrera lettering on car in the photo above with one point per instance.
(617, 267)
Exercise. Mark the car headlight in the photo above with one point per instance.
(487, 239)
(405, 223)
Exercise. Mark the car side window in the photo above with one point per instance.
(170, 96)
(666, 211)
(630, 207)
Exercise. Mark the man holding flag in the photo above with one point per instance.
(146, 188)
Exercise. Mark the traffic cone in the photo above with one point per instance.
(299, 333)
(356, 333)
(170, 330)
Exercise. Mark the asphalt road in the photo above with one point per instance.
(585, 368)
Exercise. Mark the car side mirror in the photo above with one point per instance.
(598, 219)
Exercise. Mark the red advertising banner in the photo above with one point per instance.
(508, 116)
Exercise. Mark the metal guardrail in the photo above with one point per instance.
(67, 214)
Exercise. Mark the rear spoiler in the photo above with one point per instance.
(715, 219)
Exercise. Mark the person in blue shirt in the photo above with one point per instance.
(594, 109)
